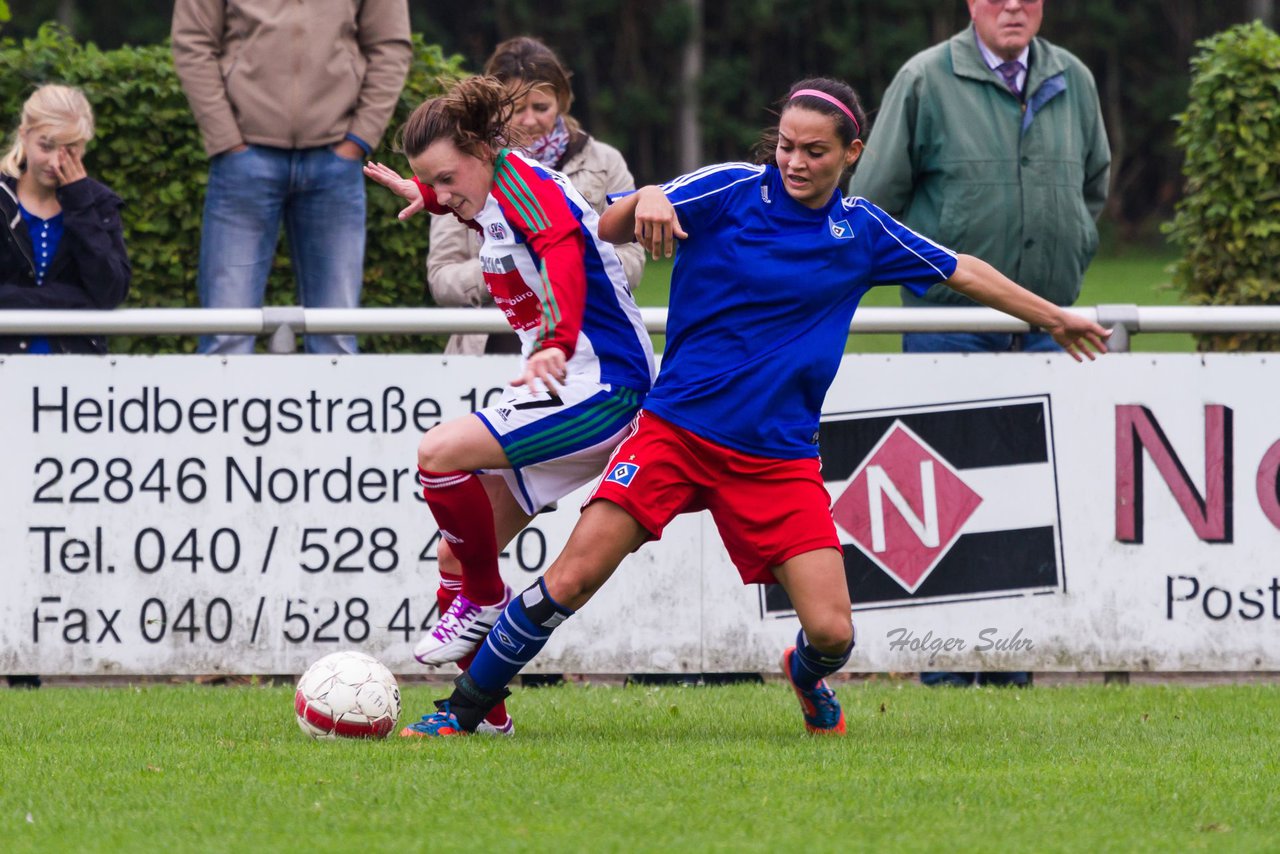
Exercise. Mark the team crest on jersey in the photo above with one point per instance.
(840, 230)
(622, 474)
(496, 231)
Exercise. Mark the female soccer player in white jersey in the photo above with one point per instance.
(771, 264)
(588, 361)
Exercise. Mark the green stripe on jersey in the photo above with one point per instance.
(520, 194)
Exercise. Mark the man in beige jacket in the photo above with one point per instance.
(290, 98)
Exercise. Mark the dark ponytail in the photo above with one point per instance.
(849, 125)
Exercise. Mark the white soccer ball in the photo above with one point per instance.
(347, 695)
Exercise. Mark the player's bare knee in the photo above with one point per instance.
(433, 452)
(831, 634)
(571, 584)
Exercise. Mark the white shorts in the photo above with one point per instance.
(557, 443)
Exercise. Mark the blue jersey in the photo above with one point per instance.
(762, 295)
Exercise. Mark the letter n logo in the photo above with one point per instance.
(905, 506)
(1210, 514)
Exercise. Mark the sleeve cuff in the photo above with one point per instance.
(368, 149)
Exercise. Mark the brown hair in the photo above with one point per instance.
(526, 60)
(475, 115)
(846, 129)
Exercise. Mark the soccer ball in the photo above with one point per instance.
(347, 695)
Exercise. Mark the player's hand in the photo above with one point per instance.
(1077, 335)
(657, 226)
(402, 187)
(545, 366)
(69, 166)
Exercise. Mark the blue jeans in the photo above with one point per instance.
(320, 197)
(978, 342)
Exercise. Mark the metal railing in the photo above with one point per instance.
(283, 323)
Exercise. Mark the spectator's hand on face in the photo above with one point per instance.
(70, 167)
(402, 187)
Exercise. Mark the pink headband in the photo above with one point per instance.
(857, 131)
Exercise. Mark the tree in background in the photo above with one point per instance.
(633, 60)
(1228, 223)
(628, 56)
(107, 23)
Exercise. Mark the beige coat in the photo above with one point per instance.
(453, 266)
(288, 74)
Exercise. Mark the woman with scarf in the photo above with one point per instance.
(554, 138)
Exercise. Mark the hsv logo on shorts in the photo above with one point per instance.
(622, 473)
(944, 503)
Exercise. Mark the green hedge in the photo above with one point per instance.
(148, 150)
(1228, 224)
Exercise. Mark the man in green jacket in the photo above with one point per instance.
(992, 144)
(1013, 172)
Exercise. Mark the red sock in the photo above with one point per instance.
(498, 714)
(450, 587)
(462, 511)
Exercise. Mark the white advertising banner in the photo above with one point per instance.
(201, 515)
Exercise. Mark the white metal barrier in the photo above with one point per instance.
(176, 515)
(282, 323)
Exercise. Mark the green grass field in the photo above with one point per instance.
(1080, 768)
(1130, 275)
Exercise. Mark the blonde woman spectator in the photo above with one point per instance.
(64, 242)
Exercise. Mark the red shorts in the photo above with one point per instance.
(767, 510)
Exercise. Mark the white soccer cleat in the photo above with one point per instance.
(508, 727)
(459, 631)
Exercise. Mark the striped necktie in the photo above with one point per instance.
(1010, 71)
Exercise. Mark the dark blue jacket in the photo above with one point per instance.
(90, 268)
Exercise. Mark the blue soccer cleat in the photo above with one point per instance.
(435, 725)
(822, 712)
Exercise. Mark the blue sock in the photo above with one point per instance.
(810, 665)
(519, 635)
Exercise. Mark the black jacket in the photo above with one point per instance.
(89, 270)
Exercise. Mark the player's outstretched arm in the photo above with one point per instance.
(983, 283)
(646, 217)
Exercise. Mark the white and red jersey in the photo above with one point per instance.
(558, 283)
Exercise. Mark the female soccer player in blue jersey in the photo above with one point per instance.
(588, 360)
(771, 264)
